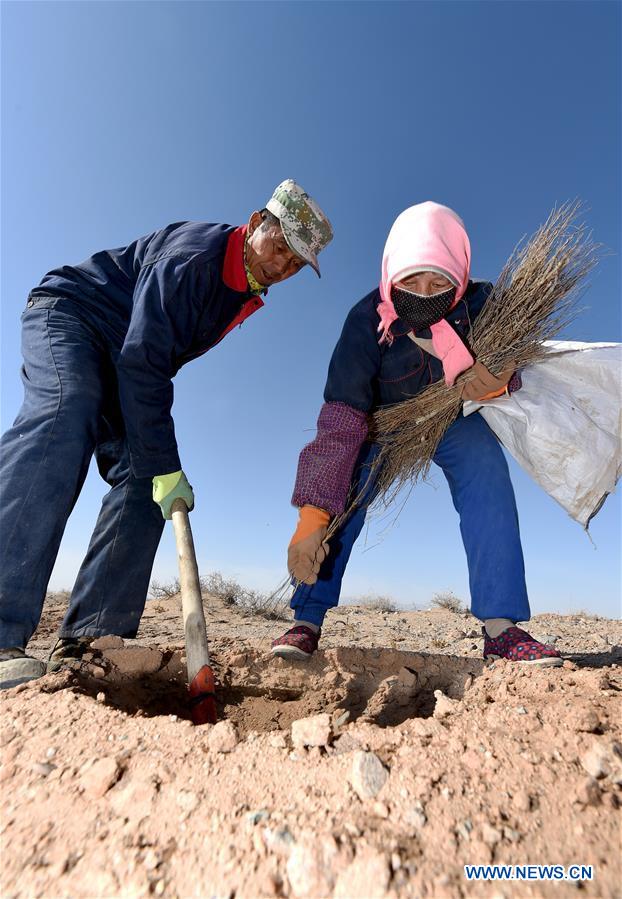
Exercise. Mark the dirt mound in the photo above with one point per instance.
(367, 772)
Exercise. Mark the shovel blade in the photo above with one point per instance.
(202, 692)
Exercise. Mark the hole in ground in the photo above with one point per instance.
(259, 693)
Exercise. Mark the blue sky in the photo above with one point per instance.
(118, 118)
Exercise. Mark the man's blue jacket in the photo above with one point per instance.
(158, 303)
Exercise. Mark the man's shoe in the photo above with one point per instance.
(517, 645)
(68, 652)
(17, 668)
(298, 642)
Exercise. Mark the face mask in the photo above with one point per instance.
(420, 311)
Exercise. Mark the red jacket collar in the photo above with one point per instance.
(234, 270)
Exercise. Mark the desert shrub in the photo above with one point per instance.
(58, 596)
(449, 601)
(273, 606)
(159, 590)
(583, 613)
(266, 605)
(216, 585)
(378, 603)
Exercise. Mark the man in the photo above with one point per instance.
(101, 342)
(422, 311)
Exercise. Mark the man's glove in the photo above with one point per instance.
(482, 385)
(307, 549)
(169, 487)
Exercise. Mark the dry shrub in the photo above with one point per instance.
(57, 596)
(230, 593)
(377, 603)
(216, 585)
(449, 601)
(250, 602)
(159, 590)
(584, 613)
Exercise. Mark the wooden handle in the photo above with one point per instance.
(197, 653)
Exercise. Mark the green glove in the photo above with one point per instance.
(169, 487)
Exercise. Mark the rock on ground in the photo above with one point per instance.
(312, 731)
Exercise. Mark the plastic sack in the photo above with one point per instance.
(564, 426)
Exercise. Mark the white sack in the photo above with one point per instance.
(564, 425)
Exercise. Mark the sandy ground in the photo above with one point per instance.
(416, 759)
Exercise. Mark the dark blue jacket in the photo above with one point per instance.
(367, 375)
(158, 303)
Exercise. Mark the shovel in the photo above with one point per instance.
(200, 675)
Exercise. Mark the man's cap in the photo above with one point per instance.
(305, 227)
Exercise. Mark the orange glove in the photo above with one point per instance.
(307, 549)
(482, 385)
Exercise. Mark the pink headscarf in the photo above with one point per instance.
(428, 237)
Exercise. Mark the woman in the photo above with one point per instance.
(401, 337)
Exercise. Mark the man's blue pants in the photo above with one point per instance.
(473, 463)
(70, 412)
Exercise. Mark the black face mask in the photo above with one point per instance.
(420, 311)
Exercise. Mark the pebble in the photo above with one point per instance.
(278, 840)
(151, 860)
(309, 868)
(101, 697)
(415, 816)
(585, 719)
(312, 731)
(345, 743)
(343, 719)
(43, 768)
(368, 775)
(223, 737)
(512, 835)
(135, 801)
(368, 875)
(260, 815)
(490, 835)
(588, 792)
(444, 706)
(464, 830)
(522, 801)
(596, 761)
(97, 778)
(187, 800)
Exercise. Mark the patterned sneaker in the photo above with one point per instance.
(17, 668)
(298, 642)
(68, 652)
(517, 645)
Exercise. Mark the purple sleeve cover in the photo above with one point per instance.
(326, 464)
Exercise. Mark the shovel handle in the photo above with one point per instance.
(197, 653)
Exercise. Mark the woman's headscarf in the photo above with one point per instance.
(428, 237)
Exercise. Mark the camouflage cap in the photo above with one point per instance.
(305, 227)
